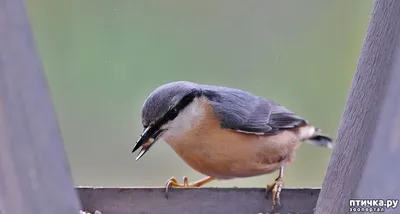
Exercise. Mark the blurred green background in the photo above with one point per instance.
(103, 57)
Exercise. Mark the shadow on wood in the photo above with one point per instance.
(193, 201)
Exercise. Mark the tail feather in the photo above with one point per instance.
(321, 140)
(314, 136)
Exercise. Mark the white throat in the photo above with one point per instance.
(185, 121)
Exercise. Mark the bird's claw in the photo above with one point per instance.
(172, 182)
(276, 189)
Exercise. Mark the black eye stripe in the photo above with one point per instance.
(173, 112)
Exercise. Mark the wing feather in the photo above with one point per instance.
(244, 112)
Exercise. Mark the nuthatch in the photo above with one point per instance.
(224, 133)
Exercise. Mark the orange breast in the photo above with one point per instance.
(225, 154)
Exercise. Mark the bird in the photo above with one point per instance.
(224, 133)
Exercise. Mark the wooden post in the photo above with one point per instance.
(34, 171)
(360, 119)
(380, 179)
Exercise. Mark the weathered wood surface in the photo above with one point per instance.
(193, 201)
(380, 179)
(34, 171)
(358, 129)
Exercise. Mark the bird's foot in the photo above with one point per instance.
(276, 189)
(173, 183)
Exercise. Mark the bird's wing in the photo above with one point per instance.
(243, 112)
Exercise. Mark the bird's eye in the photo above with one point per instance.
(173, 113)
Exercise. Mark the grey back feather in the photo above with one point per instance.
(242, 111)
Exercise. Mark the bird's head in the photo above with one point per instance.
(167, 107)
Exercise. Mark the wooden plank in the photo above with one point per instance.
(34, 171)
(193, 201)
(380, 179)
(361, 115)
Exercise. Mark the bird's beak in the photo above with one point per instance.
(149, 136)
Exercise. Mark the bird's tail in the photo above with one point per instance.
(317, 138)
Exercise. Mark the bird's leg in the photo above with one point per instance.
(172, 182)
(276, 189)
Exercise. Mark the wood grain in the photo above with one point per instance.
(360, 119)
(380, 179)
(34, 171)
(194, 201)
